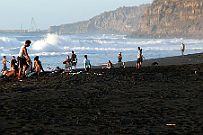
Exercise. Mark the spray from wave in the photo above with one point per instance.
(50, 43)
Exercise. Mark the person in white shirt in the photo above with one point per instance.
(87, 64)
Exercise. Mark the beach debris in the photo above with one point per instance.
(170, 124)
(155, 63)
(98, 74)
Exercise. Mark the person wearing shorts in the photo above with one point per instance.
(23, 59)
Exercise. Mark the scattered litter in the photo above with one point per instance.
(170, 124)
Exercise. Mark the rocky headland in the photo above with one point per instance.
(162, 18)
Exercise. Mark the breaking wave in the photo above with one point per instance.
(54, 45)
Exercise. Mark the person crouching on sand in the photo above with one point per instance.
(12, 72)
(38, 65)
(87, 64)
(109, 65)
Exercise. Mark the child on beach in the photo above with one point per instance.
(4, 62)
(67, 62)
(87, 65)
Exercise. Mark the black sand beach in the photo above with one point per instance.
(156, 100)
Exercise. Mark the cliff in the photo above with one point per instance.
(122, 20)
(163, 18)
(172, 18)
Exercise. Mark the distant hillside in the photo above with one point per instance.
(122, 20)
(163, 18)
(172, 18)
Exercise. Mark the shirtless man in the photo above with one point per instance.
(23, 59)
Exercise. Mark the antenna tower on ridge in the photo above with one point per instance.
(33, 26)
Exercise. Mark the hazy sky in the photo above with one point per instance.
(14, 13)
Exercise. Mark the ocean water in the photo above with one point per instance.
(53, 49)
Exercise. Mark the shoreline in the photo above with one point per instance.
(196, 58)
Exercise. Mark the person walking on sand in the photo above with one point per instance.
(74, 60)
(182, 48)
(87, 64)
(139, 58)
(23, 59)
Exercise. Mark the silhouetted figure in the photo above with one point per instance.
(182, 48)
(74, 60)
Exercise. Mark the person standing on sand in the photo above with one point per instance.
(120, 59)
(74, 59)
(139, 58)
(67, 62)
(4, 62)
(13, 61)
(182, 48)
(87, 64)
(23, 59)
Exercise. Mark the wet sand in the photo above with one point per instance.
(156, 100)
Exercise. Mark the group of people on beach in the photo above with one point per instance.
(22, 66)
(71, 62)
